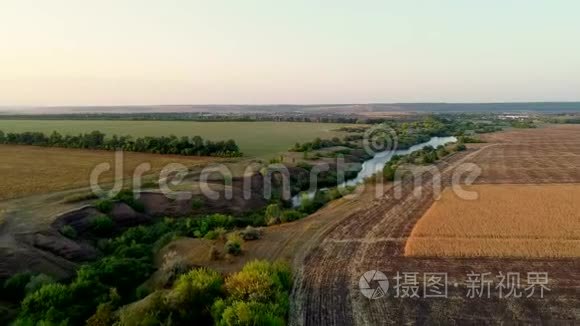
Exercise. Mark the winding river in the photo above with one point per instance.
(377, 163)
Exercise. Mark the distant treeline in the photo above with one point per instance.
(97, 140)
(193, 116)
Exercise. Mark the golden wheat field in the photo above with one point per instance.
(27, 170)
(504, 221)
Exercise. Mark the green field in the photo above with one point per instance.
(261, 139)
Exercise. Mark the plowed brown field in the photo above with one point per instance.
(372, 234)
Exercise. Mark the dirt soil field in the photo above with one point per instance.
(29, 170)
(373, 234)
(505, 220)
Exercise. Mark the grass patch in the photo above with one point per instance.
(254, 138)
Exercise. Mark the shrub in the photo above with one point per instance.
(247, 313)
(163, 241)
(291, 215)
(257, 295)
(102, 225)
(214, 254)
(104, 205)
(251, 233)
(104, 316)
(273, 221)
(389, 172)
(14, 288)
(124, 274)
(173, 266)
(257, 281)
(233, 248)
(304, 165)
(196, 203)
(250, 286)
(69, 232)
(51, 303)
(133, 250)
(218, 220)
(221, 233)
(150, 311)
(273, 211)
(234, 245)
(193, 294)
(211, 235)
(142, 291)
(38, 281)
(127, 197)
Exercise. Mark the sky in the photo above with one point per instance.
(144, 52)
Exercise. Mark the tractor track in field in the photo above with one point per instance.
(330, 263)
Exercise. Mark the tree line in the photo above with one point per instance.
(196, 116)
(97, 140)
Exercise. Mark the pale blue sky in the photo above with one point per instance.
(108, 52)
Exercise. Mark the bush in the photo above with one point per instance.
(102, 225)
(51, 303)
(163, 241)
(273, 221)
(196, 203)
(257, 281)
(14, 288)
(251, 233)
(273, 212)
(69, 232)
(173, 267)
(142, 291)
(247, 313)
(218, 221)
(233, 245)
(389, 172)
(291, 215)
(214, 253)
(193, 294)
(127, 197)
(124, 274)
(211, 235)
(151, 311)
(38, 281)
(304, 165)
(257, 295)
(221, 233)
(104, 316)
(104, 205)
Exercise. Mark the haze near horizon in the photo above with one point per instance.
(259, 52)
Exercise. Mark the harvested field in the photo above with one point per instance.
(505, 221)
(28, 170)
(545, 155)
(374, 236)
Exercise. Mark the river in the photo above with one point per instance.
(377, 163)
